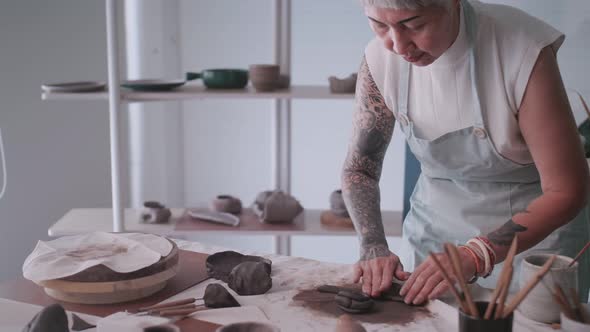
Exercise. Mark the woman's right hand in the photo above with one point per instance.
(377, 271)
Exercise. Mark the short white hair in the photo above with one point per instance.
(406, 4)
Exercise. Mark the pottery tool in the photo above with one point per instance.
(454, 290)
(528, 287)
(579, 254)
(169, 304)
(453, 255)
(214, 216)
(504, 281)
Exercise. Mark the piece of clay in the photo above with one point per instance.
(52, 318)
(261, 200)
(353, 302)
(345, 85)
(248, 327)
(280, 208)
(161, 328)
(220, 264)
(337, 204)
(79, 324)
(216, 296)
(345, 323)
(155, 213)
(250, 278)
(227, 204)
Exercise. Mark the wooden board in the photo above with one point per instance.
(192, 271)
(249, 221)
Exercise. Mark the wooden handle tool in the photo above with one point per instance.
(453, 254)
(168, 304)
(448, 279)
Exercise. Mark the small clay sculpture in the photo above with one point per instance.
(216, 296)
(277, 207)
(337, 204)
(227, 204)
(221, 264)
(345, 85)
(345, 323)
(155, 213)
(52, 318)
(250, 278)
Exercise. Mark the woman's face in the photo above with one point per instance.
(419, 36)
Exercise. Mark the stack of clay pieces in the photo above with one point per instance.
(338, 215)
(276, 207)
(246, 275)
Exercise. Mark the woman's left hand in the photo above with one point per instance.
(427, 282)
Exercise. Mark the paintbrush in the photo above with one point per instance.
(453, 255)
(502, 280)
(579, 255)
(454, 290)
(528, 287)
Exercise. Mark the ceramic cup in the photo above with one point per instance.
(539, 304)
(469, 323)
(248, 327)
(570, 325)
(264, 77)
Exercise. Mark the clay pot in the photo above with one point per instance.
(264, 77)
(345, 85)
(469, 323)
(219, 265)
(337, 204)
(227, 204)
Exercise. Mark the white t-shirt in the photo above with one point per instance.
(440, 98)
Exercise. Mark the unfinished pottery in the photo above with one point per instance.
(227, 204)
(155, 213)
(539, 305)
(216, 296)
(280, 208)
(345, 85)
(248, 327)
(353, 302)
(250, 278)
(51, 319)
(346, 324)
(337, 205)
(221, 264)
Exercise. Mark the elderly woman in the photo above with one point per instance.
(477, 92)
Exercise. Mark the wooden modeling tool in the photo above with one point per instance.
(161, 306)
(579, 254)
(454, 290)
(453, 254)
(502, 281)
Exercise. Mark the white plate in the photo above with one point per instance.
(83, 86)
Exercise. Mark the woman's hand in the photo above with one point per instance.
(377, 273)
(427, 282)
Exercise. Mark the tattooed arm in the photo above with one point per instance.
(372, 130)
(547, 125)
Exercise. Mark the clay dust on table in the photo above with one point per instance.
(384, 312)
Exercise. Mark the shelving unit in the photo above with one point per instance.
(281, 130)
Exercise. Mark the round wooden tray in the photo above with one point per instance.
(101, 285)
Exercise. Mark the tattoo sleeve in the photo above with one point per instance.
(503, 236)
(373, 124)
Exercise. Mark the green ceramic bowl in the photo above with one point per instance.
(221, 78)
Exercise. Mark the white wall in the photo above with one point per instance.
(57, 153)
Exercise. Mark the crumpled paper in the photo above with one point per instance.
(68, 255)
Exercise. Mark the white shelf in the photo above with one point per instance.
(195, 91)
(80, 221)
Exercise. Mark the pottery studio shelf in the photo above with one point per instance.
(196, 91)
(78, 221)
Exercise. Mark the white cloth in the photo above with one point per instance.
(68, 255)
(508, 44)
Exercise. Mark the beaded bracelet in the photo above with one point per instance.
(473, 278)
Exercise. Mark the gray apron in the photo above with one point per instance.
(467, 189)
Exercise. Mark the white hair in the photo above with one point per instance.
(406, 4)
